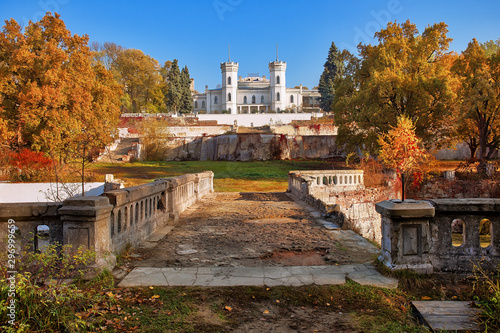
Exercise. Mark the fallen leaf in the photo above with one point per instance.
(155, 296)
(327, 304)
(277, 301)
(151, 288)
(228, 308)
(110, 294)
(426, 298)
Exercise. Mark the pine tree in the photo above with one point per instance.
(186, 105)
(174, 94)
(334, 68)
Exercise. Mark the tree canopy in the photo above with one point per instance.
(334, 68)
(479, 94)
(51, 92)
(405, 74)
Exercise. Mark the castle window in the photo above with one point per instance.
(262, 99)
(245, 101)
(202, 104)
(229, 110)
(253, 99)
(278, 79)
(195, 104)
(228, 80)
(229, 97)
(278, 96)
(215, 100)
(291, 98)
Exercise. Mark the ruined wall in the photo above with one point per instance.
(441, 188)
(357, 212)
(247, 147)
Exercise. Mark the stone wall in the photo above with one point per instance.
(418, 235)
(106, 224)
(247, 147)
(441, 188)
(342, 195)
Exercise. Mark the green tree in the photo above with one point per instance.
(174, 95)
(334, 68)
(186, 105)
(491, 47)
(406, 73)
(480, 97)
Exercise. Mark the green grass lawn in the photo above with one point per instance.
(228, 176)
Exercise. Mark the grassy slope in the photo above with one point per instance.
(228, 176)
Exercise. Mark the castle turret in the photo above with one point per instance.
(229, 86)
(277, 72)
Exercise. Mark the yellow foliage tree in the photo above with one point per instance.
(402, 150)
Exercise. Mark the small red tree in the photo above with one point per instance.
(402, 150)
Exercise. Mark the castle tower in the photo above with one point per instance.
(229, 86)
(277, 73)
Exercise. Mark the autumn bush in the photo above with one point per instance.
(26, 165)
(44, 300)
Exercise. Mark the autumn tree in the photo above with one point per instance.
(490, 47)
(54, 99)
(402, 150)
(334, 68)
(405, 74)
(140, 76)
(480, 98)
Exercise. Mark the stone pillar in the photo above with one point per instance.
(86, 223)
(407, 234)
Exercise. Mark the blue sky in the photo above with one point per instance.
(198, 32)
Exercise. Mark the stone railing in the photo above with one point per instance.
(105, 224)
(320, 183)
(420, 235)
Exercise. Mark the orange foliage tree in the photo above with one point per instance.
(402, 150)
(53, 97)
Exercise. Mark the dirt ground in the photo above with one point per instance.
(250, 229)
(257, 229)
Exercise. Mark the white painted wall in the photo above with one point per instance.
(36, 192)
(258, 119)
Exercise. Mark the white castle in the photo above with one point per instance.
(255, 94)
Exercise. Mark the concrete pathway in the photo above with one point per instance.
(364, 274)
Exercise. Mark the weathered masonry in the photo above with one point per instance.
(343, 193)
(440, 235)
(105, 224)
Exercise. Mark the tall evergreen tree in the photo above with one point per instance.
(334, 68)
(174, 94)
(186, 105)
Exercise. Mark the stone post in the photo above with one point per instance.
(407, 234)
(86, 223)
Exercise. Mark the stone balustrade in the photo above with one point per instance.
(106, 224)
(320, 183)
(440, 235)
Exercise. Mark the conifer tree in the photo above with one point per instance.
(187, 98)
(334, 68)
(174, 94)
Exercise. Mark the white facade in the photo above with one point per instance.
(255, 94)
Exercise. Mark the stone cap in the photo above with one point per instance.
(468, 205)
(405, 209)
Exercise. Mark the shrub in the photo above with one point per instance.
(28, 166)
(487, 287)
(44, 300)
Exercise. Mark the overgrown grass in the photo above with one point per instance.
(487, 296)
(262, 176)
(223, 309)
